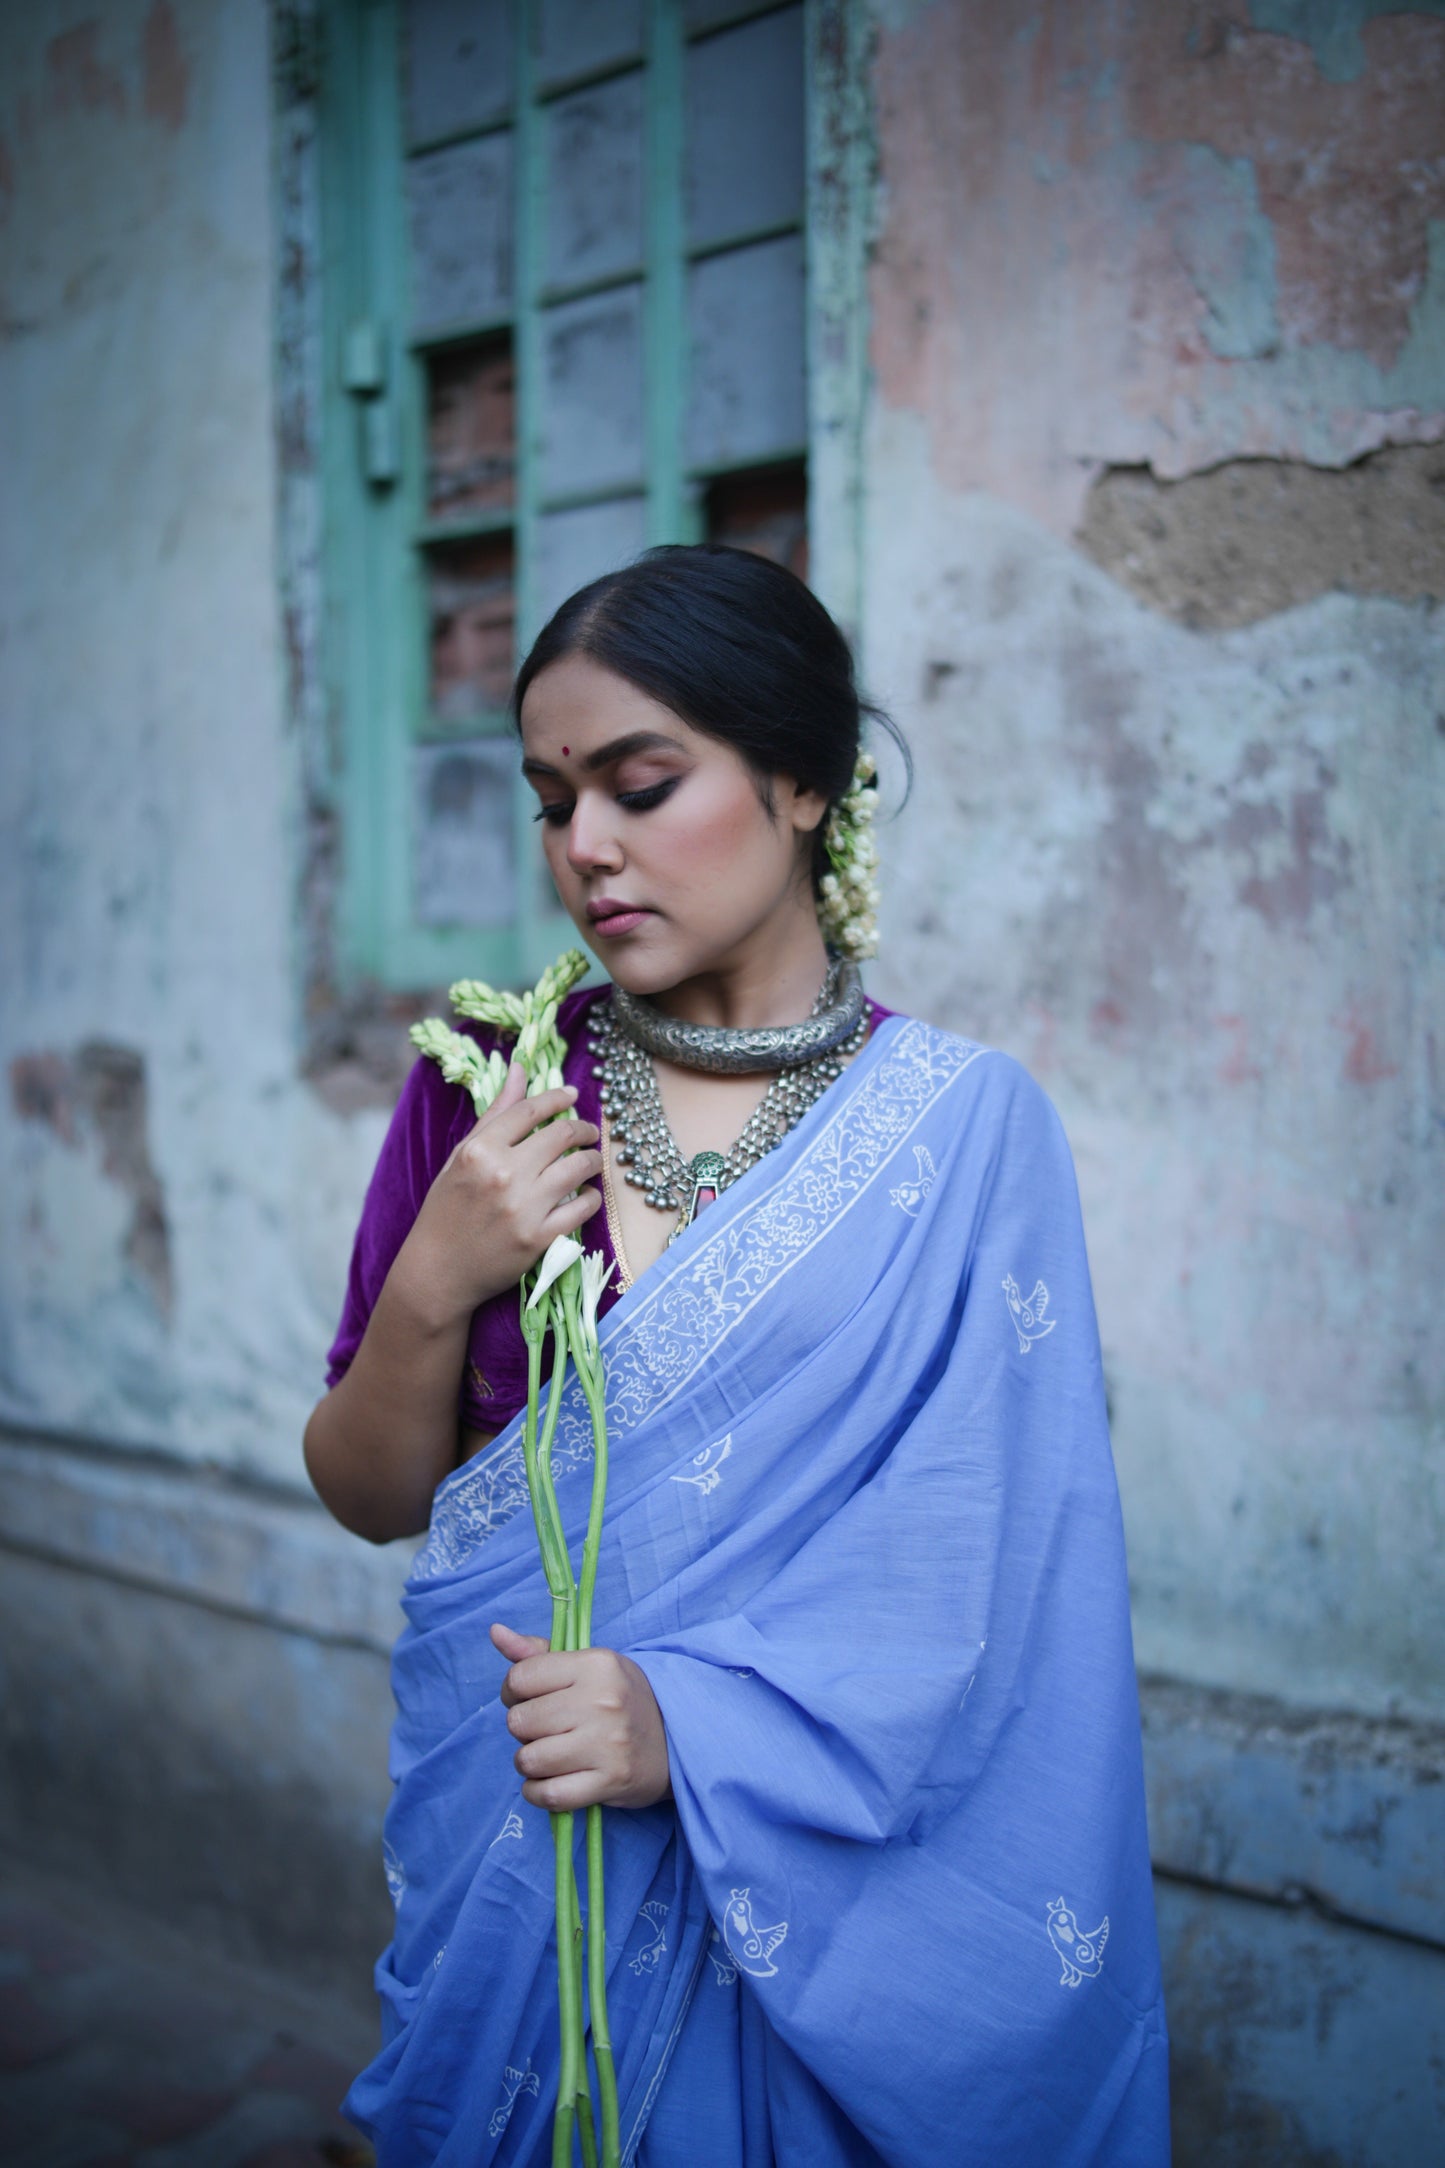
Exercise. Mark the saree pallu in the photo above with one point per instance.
(863, 1537)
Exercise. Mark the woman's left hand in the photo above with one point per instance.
(591, 1731)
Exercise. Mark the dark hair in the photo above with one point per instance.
(737, 646)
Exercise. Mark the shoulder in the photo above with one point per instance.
(991, 1090)
(578, 1007)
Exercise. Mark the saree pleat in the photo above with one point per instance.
(863, 1537)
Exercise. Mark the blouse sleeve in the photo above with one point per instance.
(431, 1115)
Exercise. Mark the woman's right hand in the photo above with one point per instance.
(506, 1192)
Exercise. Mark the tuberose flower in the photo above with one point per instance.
(563, 1252)
(595, 1275)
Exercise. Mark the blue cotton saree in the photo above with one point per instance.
(863, 1537)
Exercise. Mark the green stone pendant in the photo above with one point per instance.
(705, 1172)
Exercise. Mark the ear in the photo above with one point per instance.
(803, 809)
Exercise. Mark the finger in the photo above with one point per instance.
(559, 1144)
(570, 1214)
(566, 1795)
(537, 1674)
(565, 1175)
(512, 1093)
(538, 1759)
(523, 1116)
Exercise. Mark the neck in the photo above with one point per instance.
(775, 981)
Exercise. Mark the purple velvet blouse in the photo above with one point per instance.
(431, 1118)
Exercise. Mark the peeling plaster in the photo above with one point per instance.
(166, 75)
(1135, 236)
(1191, 880)
(77, 79)
(99, 1094)
(1252, 537)
(1332, 32)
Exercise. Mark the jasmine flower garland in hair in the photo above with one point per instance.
(848, 892)
(559, 1294)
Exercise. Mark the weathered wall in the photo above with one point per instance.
(1148, 279)
(174, 1204)
(1155, 532)
(1153, 570)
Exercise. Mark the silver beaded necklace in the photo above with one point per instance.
(647, 1151)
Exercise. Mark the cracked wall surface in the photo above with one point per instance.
(1154, 520)
(1159, 235)
(1252, 537)
(175, 1203)
(1155, 542)
(1151, 574)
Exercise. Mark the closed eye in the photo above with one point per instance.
(636, 801)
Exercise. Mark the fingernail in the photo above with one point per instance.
(571, 1090)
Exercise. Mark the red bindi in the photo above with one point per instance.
(565, 751)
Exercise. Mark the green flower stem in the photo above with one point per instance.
(572, 2088)
(574, 2105)
(597, 1994)
(559, 1566)
(574, 2083)
(530, 1019)
(588, 1362)
(537, 1458)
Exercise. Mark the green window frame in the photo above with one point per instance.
(379, 532)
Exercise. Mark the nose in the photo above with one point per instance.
(593, 845)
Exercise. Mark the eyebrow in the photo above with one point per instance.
(636, 741)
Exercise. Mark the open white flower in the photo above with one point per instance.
(595, 1275)
(561, 1255)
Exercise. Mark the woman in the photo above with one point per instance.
(863, 1702)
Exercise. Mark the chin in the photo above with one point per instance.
(638, 974)
(644, 967)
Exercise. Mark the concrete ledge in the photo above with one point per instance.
(1296, 1805)
(191, 1532)
(1298, 2042)
(1246, 1795)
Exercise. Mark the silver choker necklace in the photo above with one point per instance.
(725, 1052)
(646, 1150)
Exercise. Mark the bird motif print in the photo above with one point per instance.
(1027, 1312)
(1082, 1956)
(395, 1873)
(512, 1827)
(722, 1962)
(706, 1466)
(514, 2084)
(751, 1946)
(651, 1952)
(909, 1195)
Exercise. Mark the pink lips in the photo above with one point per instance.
(610, 917)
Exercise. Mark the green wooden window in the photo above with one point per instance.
(566, 300)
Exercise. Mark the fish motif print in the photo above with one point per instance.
(1082, 1956)
(751, 1946)
(514, 2084)
(705, 1468)
(647, 1957)
(1027, 1312)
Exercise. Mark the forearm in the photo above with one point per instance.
(387, 1433)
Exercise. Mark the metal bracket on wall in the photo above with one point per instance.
(364, 375)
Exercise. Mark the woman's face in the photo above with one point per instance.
(662, 851)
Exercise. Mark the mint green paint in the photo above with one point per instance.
(841, 170)
(1227, 245)
(377, 614)
(1331, 28)
(379, 669)
(671, 511)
